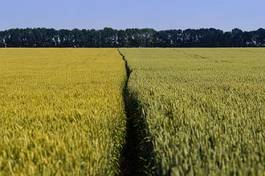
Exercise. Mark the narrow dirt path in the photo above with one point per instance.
(137, 155)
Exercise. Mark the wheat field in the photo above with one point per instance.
(189, 111)
(205, 108)
(61, 111)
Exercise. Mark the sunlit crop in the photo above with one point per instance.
(189, 111)
(61, 111)
(205, 108)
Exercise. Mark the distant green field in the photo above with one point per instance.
(205, 108)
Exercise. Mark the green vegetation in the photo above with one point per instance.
(61, 111)
(108, 37)
(205, 108)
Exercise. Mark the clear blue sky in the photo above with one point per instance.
(120, 14)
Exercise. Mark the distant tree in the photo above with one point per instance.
(108, 37)
(237, 38)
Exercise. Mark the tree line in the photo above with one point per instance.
(108, 37)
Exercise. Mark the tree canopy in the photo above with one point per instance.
(108, 37)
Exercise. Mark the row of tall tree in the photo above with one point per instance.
(108, 37)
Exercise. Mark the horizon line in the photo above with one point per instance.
(140, 28)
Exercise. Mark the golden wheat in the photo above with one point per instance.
(61, 111)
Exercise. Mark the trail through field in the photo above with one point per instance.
(136, 156)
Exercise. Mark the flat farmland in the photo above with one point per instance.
(204, 109)
(132, 111)
(61, 111)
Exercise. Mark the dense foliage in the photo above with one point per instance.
(205, 108)
(61, 111)
(108, 37)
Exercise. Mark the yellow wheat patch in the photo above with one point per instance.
(61, 111)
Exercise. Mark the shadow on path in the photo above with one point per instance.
(138, 154)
